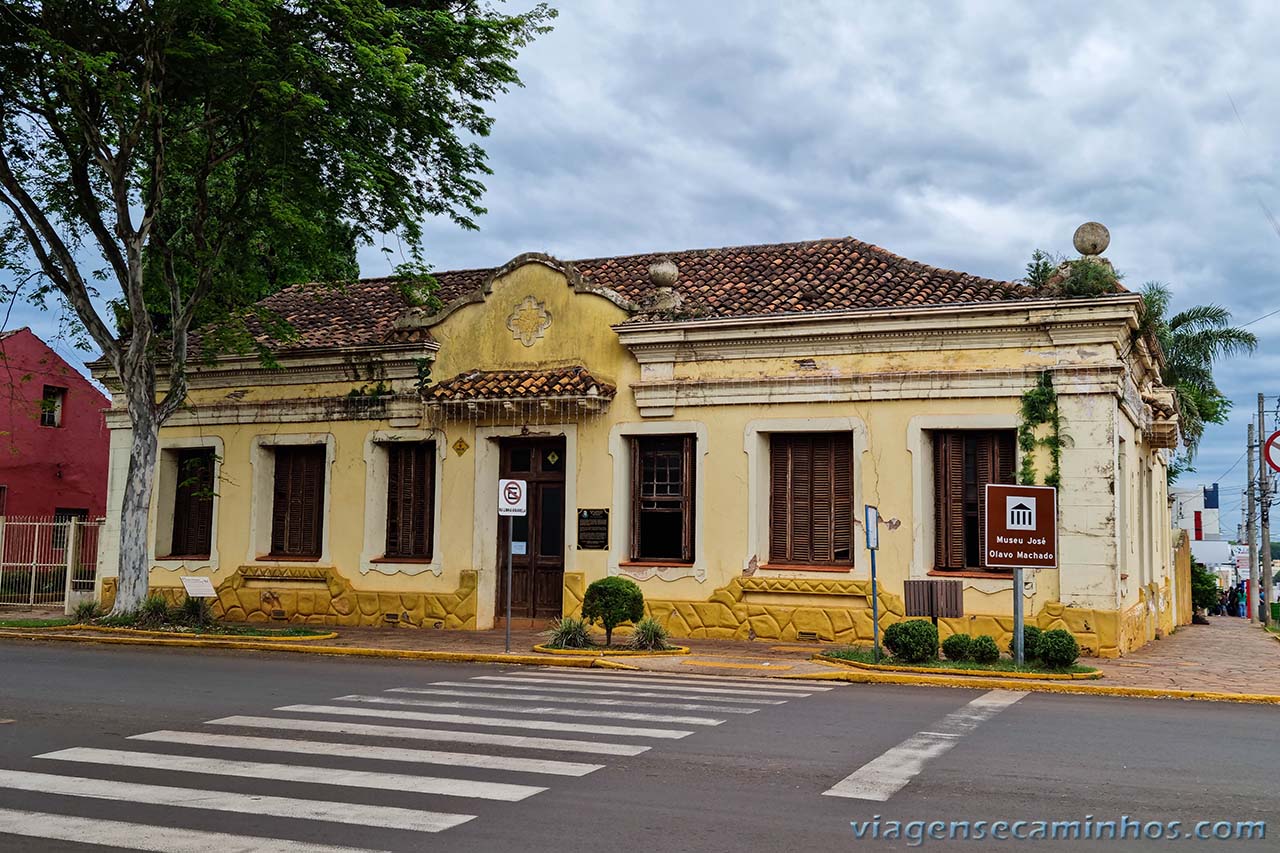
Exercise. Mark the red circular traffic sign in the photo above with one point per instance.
(513, 493)
(1268, 451)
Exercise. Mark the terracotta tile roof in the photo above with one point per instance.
(519, 385)
(787, 278)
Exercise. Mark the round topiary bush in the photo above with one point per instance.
(1031, 641)
(612, 600)
(957, 646)
(912, 641)
(1058, 648)
(983, 649)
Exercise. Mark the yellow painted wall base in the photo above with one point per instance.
(322, 596)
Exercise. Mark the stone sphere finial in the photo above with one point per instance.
(663, 272)
(1092, 238)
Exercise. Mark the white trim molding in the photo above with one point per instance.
(756, 444)
(375, 502)
(620, 518)
(920, 446)
(160, 534)
(262, 461)
(484, 543)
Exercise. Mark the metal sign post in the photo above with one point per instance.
(1021, 533)
(871, 517)
(513, 500)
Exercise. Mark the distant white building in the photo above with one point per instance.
(1195, 510)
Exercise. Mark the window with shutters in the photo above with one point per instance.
(964, 462)
(410, 492)
(193, 504)
(662, 498)
(297, 507)
(811, 499)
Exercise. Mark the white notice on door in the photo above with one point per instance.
(519, 548)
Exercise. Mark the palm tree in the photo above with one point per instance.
(1192, 341)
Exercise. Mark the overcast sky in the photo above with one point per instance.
(964, 135)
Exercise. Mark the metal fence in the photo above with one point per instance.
(44, 561)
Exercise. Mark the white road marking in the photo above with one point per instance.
(440, 735)
(581, 682)
(223, 801)
(490, 722)
(559, 712)
(376, 753)
(140, 836)
(888, 773)
(295, 773)
(571, 700)
(767, 684)
(587, 691)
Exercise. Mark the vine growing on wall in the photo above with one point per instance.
(1040, 406)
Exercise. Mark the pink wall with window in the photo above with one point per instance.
(53, 432)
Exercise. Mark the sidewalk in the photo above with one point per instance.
(1228, 655)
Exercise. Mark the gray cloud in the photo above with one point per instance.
(960, 134)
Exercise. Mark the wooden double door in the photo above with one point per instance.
(536, 543)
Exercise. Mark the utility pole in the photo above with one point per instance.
(1251, 590)
(1264, 509)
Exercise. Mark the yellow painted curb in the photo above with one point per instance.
(608, 652)
(355, 651)
(605, 663)
(769, 667)
(139, 632)
(865, 677)
(960, 673)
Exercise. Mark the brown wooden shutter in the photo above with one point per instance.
(686, 498)
(193, 504)
(810, 498)
(410, 496)
(297, 512)
(779, 500)
(948, 500)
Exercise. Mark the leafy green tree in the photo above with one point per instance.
(612, 601)
(1192, 341)
(196, 155)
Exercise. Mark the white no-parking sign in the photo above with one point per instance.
(513, 497)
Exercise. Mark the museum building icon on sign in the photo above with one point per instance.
(1020, 513)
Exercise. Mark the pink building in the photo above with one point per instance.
(53, 434)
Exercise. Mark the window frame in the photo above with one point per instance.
(686, 501)
(782, 510)
(279, 547)
(61, 516)
(952, 461)
(53, 403)
(427, 447)
(181, 519)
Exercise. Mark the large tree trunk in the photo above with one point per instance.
(135, 564)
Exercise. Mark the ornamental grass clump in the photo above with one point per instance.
(957, 647)
(650, 636)
(87, 611)
(612, 601)
(154, 611)
(569, 632)
(1058, 648)
(983, 649)
(912, 641)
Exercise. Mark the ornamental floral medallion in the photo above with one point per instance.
(529, 321)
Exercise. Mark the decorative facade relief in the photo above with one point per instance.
(529, 321)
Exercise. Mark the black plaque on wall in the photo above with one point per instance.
(593, 529)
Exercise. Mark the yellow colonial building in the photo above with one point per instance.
(710, 423)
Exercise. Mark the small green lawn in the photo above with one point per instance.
(36, 623)
(863, 654)
(211, 629)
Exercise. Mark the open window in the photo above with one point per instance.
(662, 492)
(811, 499)
(51, 405)
(964, 462)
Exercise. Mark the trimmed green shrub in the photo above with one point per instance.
(153, 612)
(1031, 642)
(613, 601)
(86, 610)
(650, 635)
(912, 641)
(983, 649)
(569, 633)
(1058, 648)
(956, 647)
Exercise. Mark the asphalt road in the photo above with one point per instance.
(386, 756)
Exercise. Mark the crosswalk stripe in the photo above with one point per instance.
(570, 700)
(223, 801)
(139, 836)
(582, 681)
(580, 691)
(702, 680)
(375, 753)
(294, 773)
(559, 712)
(491, 722)
(442, 735)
